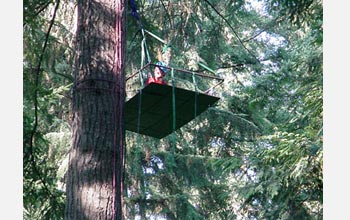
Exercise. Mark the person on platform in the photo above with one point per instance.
(158, 74)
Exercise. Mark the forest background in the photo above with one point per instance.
(253, 187)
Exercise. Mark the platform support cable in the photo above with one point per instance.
(173, 135)
(195, 106)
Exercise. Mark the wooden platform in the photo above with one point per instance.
(156, 117)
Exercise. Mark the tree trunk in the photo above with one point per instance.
(94, 183)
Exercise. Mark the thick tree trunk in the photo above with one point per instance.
(94, 183)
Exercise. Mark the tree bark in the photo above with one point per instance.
(94, 182)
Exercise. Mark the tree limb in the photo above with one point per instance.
(233, 30)
(36, 104)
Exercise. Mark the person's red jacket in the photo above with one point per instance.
(151, 79)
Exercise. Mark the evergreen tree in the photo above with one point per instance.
(94, 182)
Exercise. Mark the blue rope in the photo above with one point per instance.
(134, 10)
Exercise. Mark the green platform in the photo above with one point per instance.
(156, 118)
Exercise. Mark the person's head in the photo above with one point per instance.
(160, 70)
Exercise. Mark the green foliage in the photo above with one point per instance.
(46, 130)
(298, 11)
(257, 154)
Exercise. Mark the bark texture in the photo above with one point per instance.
(94, 181)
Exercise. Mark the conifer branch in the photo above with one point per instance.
(233, 30)
(40, 8)
(167, 13)
(36, 104)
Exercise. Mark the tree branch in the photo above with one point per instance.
(233, 30)
(36, 104)
(44, 6)
(167, 13)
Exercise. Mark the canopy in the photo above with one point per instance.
(156, 113)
